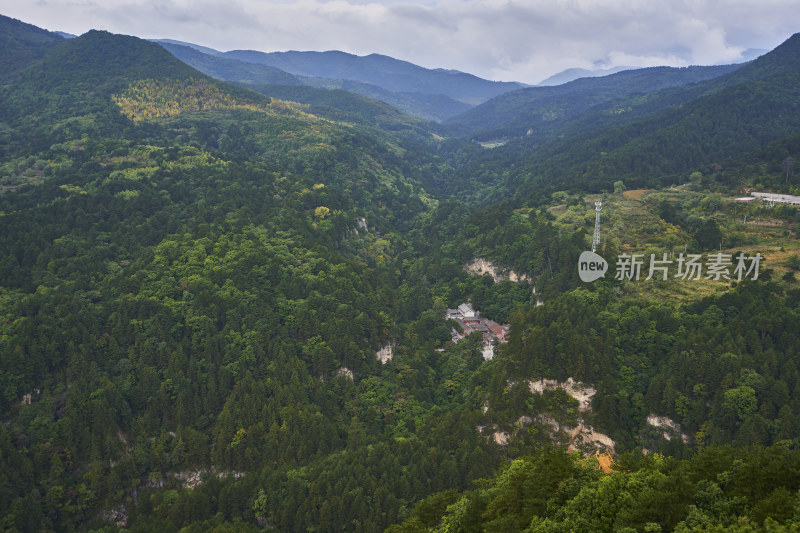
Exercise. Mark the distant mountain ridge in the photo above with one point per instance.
(384, 71)
(196, 47)
(571, 74)
(259, 76)
(657, 138)
(335, 99)
(214, 64)
(431, 94)
(540, 110)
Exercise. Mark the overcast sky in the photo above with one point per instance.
(508, 40)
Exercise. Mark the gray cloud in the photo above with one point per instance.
(498, 39)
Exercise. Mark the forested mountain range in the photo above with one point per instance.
(433, 94)
(386, 72)
(196, 280)
(741, 112)
(652, 139)
(228, 69)
(345, 105)
(536, 110)
(144, 164)
(21, 44)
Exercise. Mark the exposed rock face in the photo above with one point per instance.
(385, 353)
(583, 436)
(345, 372)
(117, 515)
(662, 422)
(190, 479)
(361, 225)
(579, 391)
(501, 437)
(27, 399)
(487, 352)
(480, 266)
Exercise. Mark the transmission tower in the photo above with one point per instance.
(596, 239)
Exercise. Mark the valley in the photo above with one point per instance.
(229, 284)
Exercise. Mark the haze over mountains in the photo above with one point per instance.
(432, 94)
(570, 74)
(542, 108)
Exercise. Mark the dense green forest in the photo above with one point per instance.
(721, 488)
(196, 280)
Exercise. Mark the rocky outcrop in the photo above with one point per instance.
(582, 437)
(361, 226)
(578, 436)
(345, 372)
(501, 437)
(668, 426)
(480, 266)
(385, 354)
(579, 391)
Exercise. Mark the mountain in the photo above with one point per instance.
(344, 99)
(225, 311)
(544, 110)
(251, 70)
(433, 107)
(21, 44)
(232, 70)
(388, 73)
(571, 74)
(740, 112)
(202, 49)
(194, 281)
(346, 106)
(428, 94)
(99, 82)
(79, 85)
(646, 139)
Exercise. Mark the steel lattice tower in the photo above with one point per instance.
(596, 239)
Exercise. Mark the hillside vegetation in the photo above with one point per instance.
(424, 93)
(225, 310)
(648, 141)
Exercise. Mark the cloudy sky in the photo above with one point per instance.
(519, 40)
